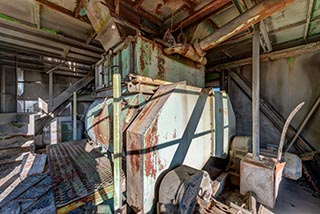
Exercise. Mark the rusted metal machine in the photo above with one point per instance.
(177, 125)
(164, 124)
(170, 128)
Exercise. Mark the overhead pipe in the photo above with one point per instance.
(188, 51)
(239, 24)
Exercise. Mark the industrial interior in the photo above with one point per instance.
(160, 106)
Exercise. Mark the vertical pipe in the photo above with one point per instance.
(255, 92)
(50, 89)
(117, 134)
(3, 90)
(74, 114)
(16, 89)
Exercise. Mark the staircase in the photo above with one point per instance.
(60, 101)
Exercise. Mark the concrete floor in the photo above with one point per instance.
(294, 199)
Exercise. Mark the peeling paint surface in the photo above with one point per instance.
(99, 118)
(172, 129)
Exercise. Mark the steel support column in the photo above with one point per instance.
(117, 141)
(74, 115)
(51, 89)
(255, 92)
(309, 14)
(3, 89)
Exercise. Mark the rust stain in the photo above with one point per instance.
(175, 134)
(142, 63)
(99, 127)
(167, 1)
(161, 68)
(151, 154)
(158, 9)
(134, 158)
(160, 165)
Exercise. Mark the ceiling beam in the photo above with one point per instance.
(54, 37)
(61, 9)
(145, 14)
(44, 63)
(37, 14)
(45, 42)
(252, 16)
(309, 14)
(264, 40)
(239, 24)
(32, 67)
(80, 4)
(137, 3)
(190, 4)
(91, 37)
(240, 5)
(265, 36)
(276, 55)
(201, 14)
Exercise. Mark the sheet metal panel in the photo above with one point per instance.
(98, 120)
(174, 128)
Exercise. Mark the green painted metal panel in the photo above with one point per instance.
(145, 57)
(316, 9)
(152, 62)
(314, 27)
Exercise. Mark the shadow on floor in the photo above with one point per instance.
(294, 198)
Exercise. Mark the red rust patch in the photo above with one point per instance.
(158, 9)
(142, 63)
(161, 63)
(151, 154)
(100, 122)
(134, 158)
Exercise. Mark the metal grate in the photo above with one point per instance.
(79, 171)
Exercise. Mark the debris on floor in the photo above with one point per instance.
(27, 189)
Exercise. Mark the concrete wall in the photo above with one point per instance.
(36, 85)
(284, 83)
(9, 94)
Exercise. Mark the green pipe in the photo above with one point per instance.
(117, 134)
